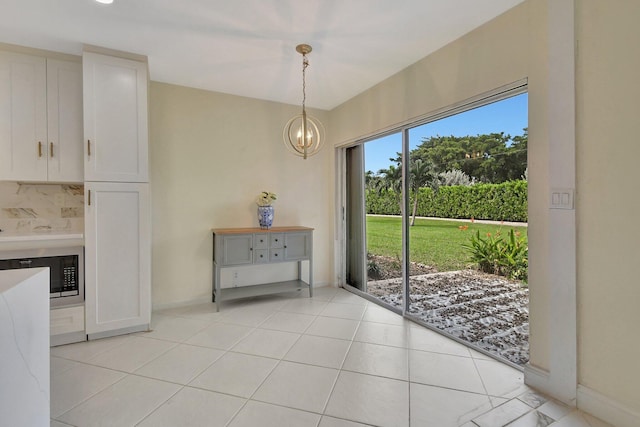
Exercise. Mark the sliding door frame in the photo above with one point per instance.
(498, 94)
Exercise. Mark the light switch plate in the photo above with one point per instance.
(562, 198)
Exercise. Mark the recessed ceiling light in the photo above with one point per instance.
(105, 1)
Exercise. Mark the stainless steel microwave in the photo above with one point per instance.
(66, 268)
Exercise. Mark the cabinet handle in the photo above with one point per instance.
(89, 147)
(51, 149)
(89, 196)
(39, 148)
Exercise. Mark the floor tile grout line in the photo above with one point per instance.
(250, 398)
(196, 375)
(207, 325)
(439, 353)
(149, 361)
(91, 396)
(340, 370)
(159, 406)
(475, 365)
(285, 406)
(84, 343)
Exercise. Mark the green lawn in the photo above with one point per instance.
(435, 243)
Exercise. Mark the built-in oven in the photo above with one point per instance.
(66, 268)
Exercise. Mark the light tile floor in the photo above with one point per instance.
(336, 360)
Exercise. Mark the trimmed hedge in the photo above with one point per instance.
(506, 201)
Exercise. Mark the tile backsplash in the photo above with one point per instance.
(41, 207)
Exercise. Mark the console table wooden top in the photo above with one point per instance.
(249, 230)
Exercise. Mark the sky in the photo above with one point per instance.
(508, 116)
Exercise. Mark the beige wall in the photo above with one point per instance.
(485, 59)
(211, 154)
(608, 201)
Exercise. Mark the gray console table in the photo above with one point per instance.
(238, 247)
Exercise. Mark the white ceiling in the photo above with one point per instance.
(247, 47)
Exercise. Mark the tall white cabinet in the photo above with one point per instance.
(40, 119)
(117, 205)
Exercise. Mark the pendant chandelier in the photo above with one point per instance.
(303, 135)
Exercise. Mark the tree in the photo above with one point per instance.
(454, 177)
(421, 174)
(493, 158)
(392, 181)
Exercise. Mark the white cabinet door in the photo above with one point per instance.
(115, 119)
(65, 127)
(23, 117)
(117, 258)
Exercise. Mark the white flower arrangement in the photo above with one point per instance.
(266, 198)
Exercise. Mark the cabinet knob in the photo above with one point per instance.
(275, 254)
(250, 249)
(276, 240)
(285, 246)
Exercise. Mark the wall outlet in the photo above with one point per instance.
(234, 278)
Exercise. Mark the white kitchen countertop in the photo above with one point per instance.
(19, 236)
(13, 240)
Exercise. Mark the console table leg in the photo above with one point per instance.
(310, 278)
(216, 287)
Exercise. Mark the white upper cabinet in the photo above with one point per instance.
(64, 118)
(115, 119)
(40, 119)
(23, 117)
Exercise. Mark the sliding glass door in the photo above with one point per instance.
(374, 218)
(418, 199)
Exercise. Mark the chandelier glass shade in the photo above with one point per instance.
(303, 134)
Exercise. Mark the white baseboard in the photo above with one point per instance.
(325, 285)
(541, 380)
(606, 409)
(184, 303)
(588, 400)
(207, 298)
(536, 378)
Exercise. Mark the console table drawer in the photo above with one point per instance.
(260, 241)
(261, 256)
(275, 255)
(276, 241)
